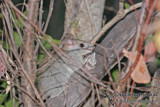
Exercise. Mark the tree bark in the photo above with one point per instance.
(29, 56)
(88, 14)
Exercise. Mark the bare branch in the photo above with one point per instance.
(121, 14)
(49, 15)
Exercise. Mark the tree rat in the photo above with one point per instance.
(54, 80)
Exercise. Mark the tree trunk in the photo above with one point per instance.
(83, 18)
(88, 14)
(29, 56)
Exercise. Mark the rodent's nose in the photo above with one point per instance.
(91, 48)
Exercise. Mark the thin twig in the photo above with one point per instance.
(92, 95)
(121, 14)
(39, 23)
(135, 46)
(6, 15)
(117, 55)
(49, 15)
(90, 17)
(23, 7)
(58, 50)
(30, 81)
(24, 71)
(39, 41)
(31, 96)
(98, 95)
(106, 68)
(40, 14)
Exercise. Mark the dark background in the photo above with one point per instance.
(56, 24)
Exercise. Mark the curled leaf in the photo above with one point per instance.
(140, 74)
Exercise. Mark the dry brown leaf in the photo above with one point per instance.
(140, 74)
(8, 83)
(157, 5)
(149, 52)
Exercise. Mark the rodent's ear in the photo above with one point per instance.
(69, 42)
(69, 36)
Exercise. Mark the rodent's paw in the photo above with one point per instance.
(91, 61)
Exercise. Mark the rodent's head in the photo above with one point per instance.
(71, 44)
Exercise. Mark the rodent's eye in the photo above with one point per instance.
(84, 56)
(81, 45)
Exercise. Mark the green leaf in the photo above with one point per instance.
(40, 57)
(143, 104)
(17, 39)
(148, 84)
(25, 12)
(126, 5)
(3, 98)
(4, 84)
(8, 103)
(157, 60)
(115, 75)
(18, 22)
(5, 45)
(53, 40)
(0, 15)
(13, 13)
(47, 45)
(2, 106)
